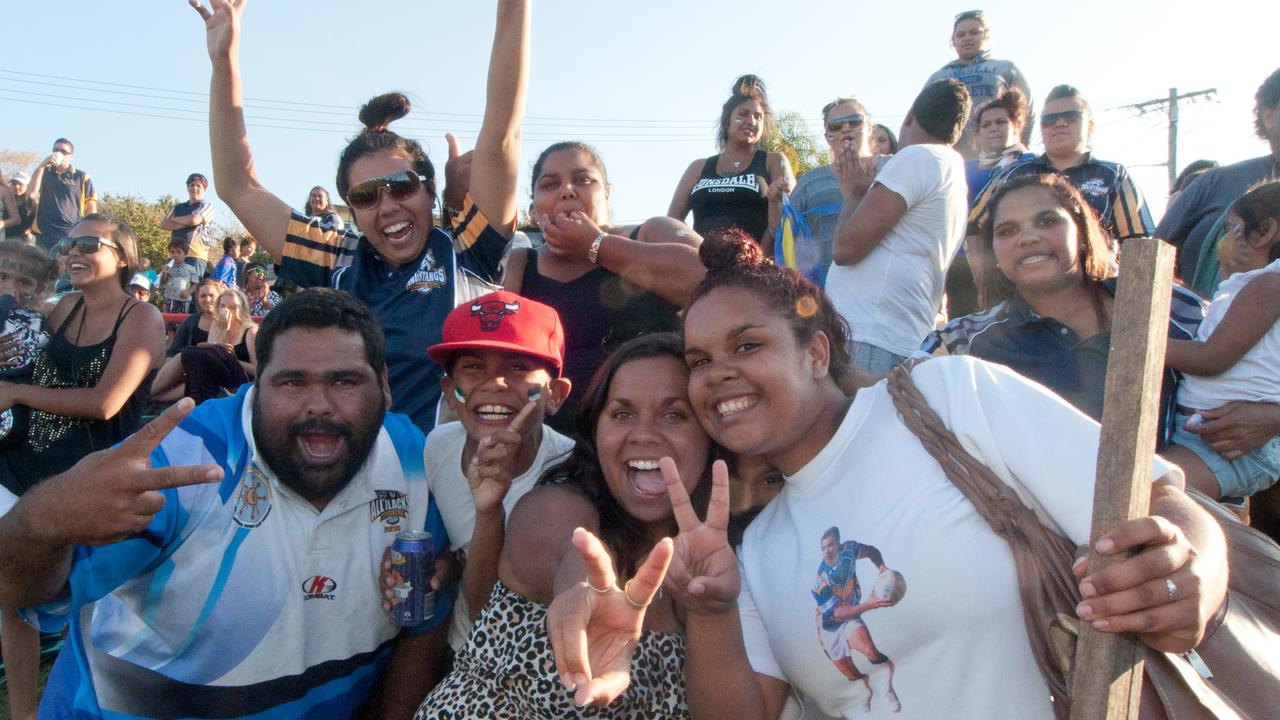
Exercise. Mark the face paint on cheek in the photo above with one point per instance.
(458, 394)
(535, 394)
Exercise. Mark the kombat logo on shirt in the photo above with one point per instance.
(253, 499)
(389, 507)
(746, 181)
(428, 277)
(1094, 187)
(318, 587)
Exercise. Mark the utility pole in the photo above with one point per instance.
(1170, 105)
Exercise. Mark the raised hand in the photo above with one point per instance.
(457, 173)
(112, 494)
(703, 576)
(490, 470)
(594, 625)
(221, 24)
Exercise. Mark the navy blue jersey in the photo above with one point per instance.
(837, 585)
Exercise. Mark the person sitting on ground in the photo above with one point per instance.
(1235, 356)
(195, 329)
(898, 231)
(219, 365)
(179, 279)
(288, 494)
(1067, 128)
(742, 186)
(261, 297)
(985, 77)
(608, 283)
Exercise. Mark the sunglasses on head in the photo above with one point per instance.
(847, 122)
(399, 186)
(87, 245)
(1070, 116)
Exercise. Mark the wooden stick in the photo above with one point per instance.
(1108, 668)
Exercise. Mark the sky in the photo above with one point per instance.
(127, 82)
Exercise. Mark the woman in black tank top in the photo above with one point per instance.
(87, 393)
(609, 284)
(742, 186)
(226, 359)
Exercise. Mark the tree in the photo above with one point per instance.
(791, 138)
(13, 160)
(144, 217)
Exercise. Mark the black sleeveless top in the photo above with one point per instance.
(734, 201)
(54, 443)
(599, 312)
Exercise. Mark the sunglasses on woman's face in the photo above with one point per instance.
(1068, 116)
(848, 122)
(86, 245)
(399, 186)
(258, 271)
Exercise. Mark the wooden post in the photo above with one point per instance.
(1108, 669)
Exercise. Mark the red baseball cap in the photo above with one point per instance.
(503, 321)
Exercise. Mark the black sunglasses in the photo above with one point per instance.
(848, 122)
(399, 186)
(87, 245)
(1070, 116)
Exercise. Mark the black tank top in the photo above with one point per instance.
(54, 443)
(599, 311)
(735, 201)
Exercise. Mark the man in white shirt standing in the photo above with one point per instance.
(899, 230)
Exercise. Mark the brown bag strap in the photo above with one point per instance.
(1042, 557)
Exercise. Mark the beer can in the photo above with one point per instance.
(414, 561)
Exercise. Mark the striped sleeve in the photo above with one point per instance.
(1186, 312)
(478, 244)
(1131, 218)
(313, 249)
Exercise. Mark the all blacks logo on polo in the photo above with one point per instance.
(318, 587)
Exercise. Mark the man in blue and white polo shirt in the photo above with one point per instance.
(238, 575)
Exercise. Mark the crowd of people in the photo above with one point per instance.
(650, 457)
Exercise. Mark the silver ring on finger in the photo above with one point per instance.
(1171, 588)
(626, 593)
(599, 590)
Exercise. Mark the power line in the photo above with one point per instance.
(1170, 105)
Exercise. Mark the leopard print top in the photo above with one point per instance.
(506, 670)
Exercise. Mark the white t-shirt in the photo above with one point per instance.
(956, 638)
(1255, 376)
(449, 488)
(891, 296)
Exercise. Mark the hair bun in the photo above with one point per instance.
(378, 114)
(748, 86)
(731, 247)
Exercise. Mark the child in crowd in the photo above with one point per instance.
(1236, 354)
(178, 279)
(25, 272)
(226, 268)
(503, 357)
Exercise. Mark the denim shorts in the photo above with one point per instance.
(1252, 472)
(874, 359)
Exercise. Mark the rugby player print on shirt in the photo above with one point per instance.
(842, 628)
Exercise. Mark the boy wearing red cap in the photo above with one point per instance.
(503, 355)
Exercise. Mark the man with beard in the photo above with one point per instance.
(224, 564)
